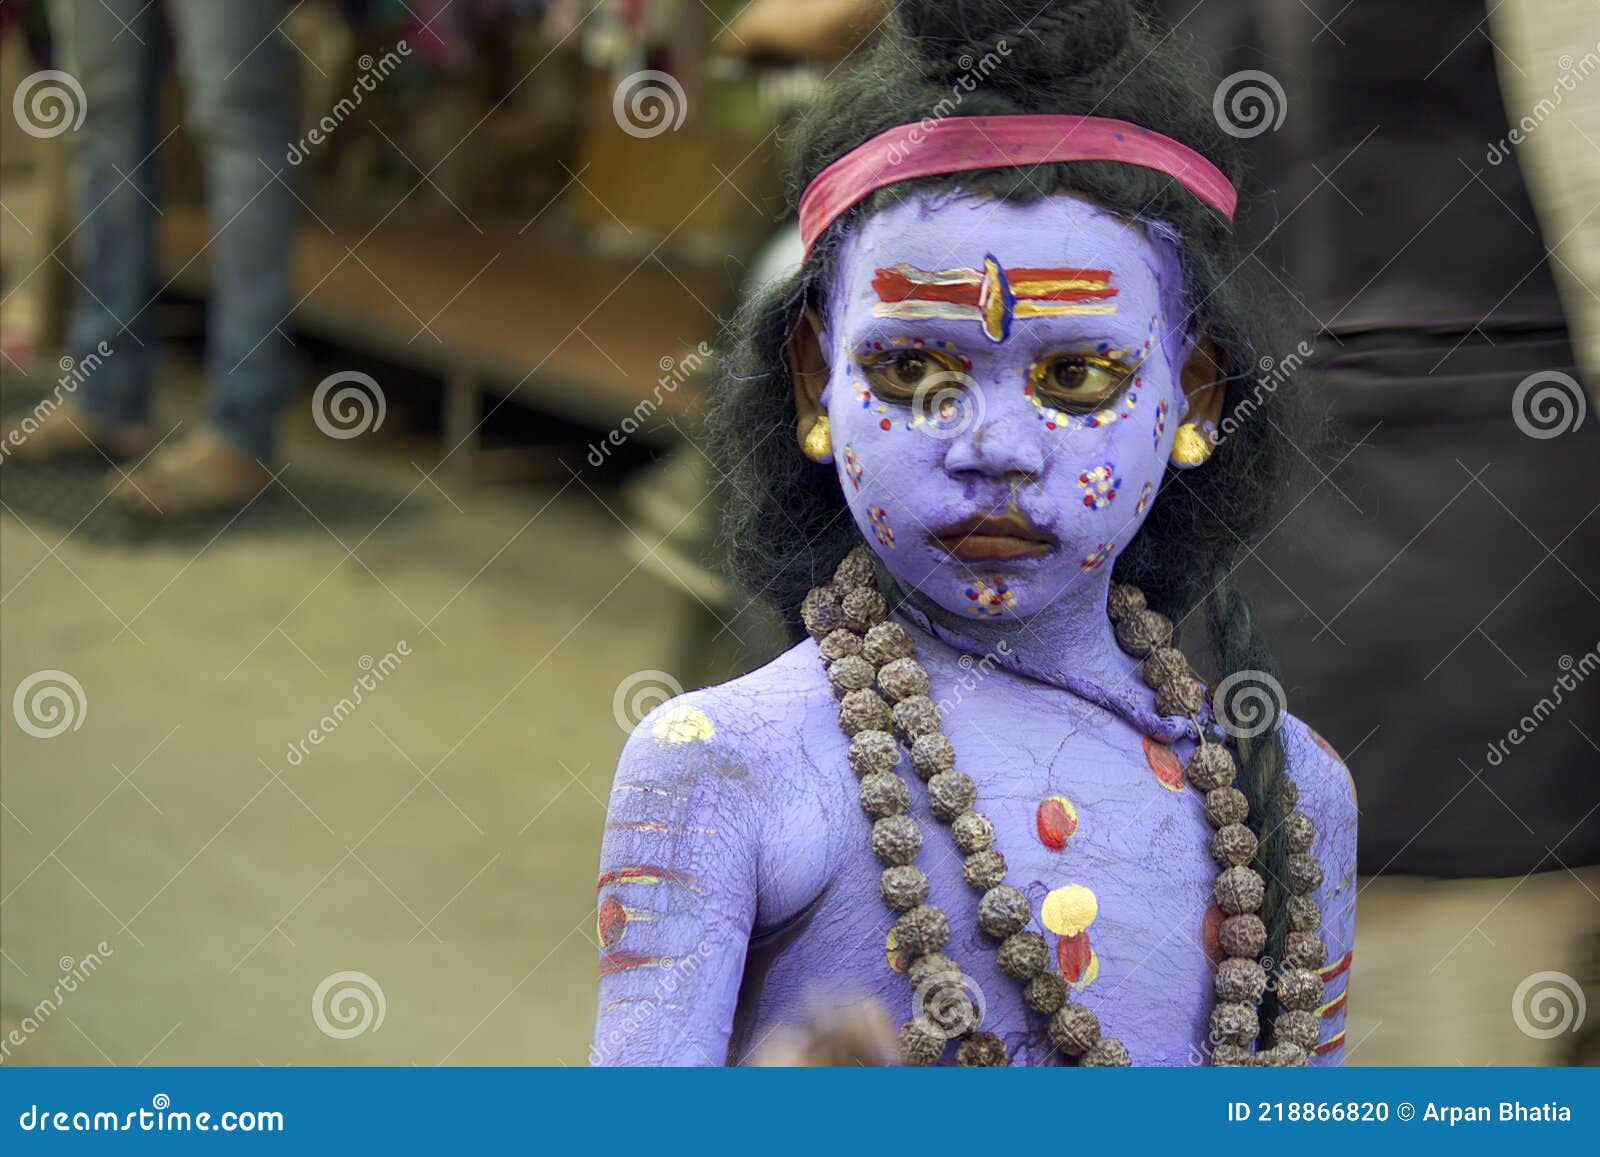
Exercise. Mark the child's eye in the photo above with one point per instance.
(1077, 383)
(897, 375)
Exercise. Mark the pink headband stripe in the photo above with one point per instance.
(964, 144)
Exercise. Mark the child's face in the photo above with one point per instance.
(1003, 386)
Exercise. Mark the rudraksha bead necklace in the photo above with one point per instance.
(883, 703)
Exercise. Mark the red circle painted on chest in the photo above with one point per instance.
(1056, 821)
(1165, 763)
(885, 424)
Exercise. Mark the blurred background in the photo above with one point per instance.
(315, 680)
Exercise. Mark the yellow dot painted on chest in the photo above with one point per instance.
(1068, 911)
(684, 725)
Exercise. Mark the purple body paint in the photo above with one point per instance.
(749, 851)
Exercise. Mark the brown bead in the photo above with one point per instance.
(1243, 936)
(1002, 911)
(1233, 845)
(950, 793)
(884, 794)
(902, 679)
(1281, 1056)
(1107, 1053)
(1164, 665)
(1141, 632)
(982, 1050)
(838, 644)
(903, 887)
(896, 840)
(855, 570)
(1290, 792)
(921, 1042)
(1305, 874)
(1227, 1056)
(934, 967)
(851, 673)
(863, 608)
(1238, 890)
(820, 612)
(973, 832)
(931, 754)
(1304, 915)
(1304, 950)
(1210, 767)
(1226, 805)
(1299, 1028)
(873, 752)
(1234, 1022)
(1046, 992)
(1074, 1029)
(1300, 831)
(1182, 695)
(887, 642)
(1122, 600)
(1023, 955)
(916, 716)
(863, 711)
(1240, 981)
(1300, 988)
(984, 870)
(923, 929)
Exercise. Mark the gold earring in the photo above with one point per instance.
(819, 440)
(1190, 447)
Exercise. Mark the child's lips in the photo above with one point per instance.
(995, 538)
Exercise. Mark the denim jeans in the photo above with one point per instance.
(236, 86)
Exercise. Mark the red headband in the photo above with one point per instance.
(963, 144)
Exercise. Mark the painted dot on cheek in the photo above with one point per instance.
(885, 424)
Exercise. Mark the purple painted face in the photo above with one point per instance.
(1003, 391)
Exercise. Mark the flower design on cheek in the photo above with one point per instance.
(1144, 499)
(1161, 423)
(852, 467)
(1101, 484)
(1097, 558)
(993, 598)
(879, 518)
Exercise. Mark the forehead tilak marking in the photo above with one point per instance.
(992, 296)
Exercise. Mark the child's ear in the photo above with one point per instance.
(1204, 380)
(808, 370)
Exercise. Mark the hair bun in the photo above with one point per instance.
(1038, 40)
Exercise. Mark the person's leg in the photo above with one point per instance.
(109, 47)
(238, 95)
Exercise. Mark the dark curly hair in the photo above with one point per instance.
(785, 523)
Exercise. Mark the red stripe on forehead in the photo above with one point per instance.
(903, 284)
(965, 286)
